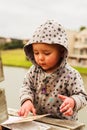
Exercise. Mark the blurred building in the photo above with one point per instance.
(4, 40)
(77, 48)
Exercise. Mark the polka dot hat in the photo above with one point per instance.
(50, 32)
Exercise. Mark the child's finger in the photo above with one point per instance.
(34, 111)
(62, 97)
(69, 112)
(64, 108)
(26, 113)
(21, 112)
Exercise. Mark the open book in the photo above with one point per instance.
(15, 122)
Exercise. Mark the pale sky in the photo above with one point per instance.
(19, 18)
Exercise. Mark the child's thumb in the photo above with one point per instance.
(62, 97)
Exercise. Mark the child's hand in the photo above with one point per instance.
(67, 105)
(26, 108)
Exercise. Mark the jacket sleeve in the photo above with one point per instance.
(78, 92)
(27, 90)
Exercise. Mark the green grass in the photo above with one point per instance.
(82, 70)
(15, 57)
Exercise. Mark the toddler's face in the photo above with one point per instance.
(47, 56)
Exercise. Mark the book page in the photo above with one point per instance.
(18, 119)
(16, 123)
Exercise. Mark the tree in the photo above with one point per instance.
(82, 28)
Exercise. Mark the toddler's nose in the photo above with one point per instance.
(41, 57)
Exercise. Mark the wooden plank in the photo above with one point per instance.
(71, 125)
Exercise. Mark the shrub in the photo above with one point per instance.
(12, 45)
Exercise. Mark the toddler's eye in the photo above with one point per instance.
(47, 53)
(36, 53)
